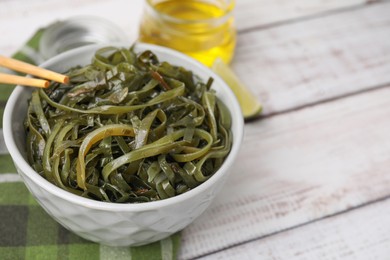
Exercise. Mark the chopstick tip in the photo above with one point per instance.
(46, 84)
(66, 80)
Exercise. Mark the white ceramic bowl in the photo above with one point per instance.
(110, 223)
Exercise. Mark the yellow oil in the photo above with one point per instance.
(203, 30)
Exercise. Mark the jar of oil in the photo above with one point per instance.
(202, 29)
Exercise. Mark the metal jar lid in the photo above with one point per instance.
(78, 31)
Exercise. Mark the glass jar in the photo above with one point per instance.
(78, 31)
(202, 29)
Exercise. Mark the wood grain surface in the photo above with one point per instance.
(254, 15)
(297, 167)
(360, 234)
(303, 63)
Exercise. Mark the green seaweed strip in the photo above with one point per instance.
(128, 129)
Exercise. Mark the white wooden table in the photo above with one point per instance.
(312, 180)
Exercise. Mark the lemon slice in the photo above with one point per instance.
(250, 106)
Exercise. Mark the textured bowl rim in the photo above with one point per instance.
(29, 172)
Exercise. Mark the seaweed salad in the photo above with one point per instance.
(127, 129)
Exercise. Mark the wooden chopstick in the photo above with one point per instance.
(29, 69)
(18, 80)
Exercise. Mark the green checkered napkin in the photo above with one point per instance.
(28, 232)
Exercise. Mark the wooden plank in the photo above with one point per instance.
(249, 13)
(24, 17)
(361, 234)
(304, 63)
(260, 13)
(298, 167)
